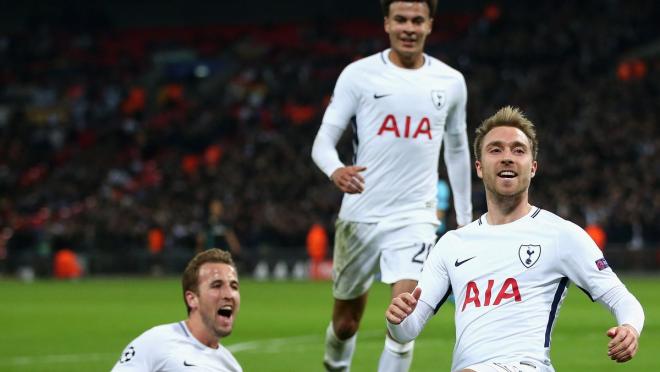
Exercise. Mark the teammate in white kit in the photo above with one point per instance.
(404, 105)
(511, 268)
(210, 292)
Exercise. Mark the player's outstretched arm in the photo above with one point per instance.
(348, 179)
(623, 344)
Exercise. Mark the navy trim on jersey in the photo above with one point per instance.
(553, 310)
(356, 140)
(538, 210)
(587, 293)
(444, 298)
(184, 329)
(480, 221)
(427, 60)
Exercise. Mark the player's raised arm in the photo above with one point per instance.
(407, 316)
(402, 305)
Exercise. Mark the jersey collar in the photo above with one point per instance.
(384, 56)
(533, 212)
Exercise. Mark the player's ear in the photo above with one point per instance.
(477, 165)
(192, 300)
(534, 167)
(386, 24)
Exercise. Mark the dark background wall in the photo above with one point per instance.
(77, 14)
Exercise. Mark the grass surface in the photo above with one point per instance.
(83, 326)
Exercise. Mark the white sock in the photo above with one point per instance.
(396, 357)
(338, 353)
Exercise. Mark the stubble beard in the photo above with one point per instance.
(217, 332)
(505, 202)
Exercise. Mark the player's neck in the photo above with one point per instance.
(506, 209)
(199, 331)
(412, 62)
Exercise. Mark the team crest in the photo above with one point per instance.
(438, 98)
(529, 254)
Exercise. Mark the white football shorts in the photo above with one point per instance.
(397, 249)
(522, 366)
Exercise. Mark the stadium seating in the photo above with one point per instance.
(107, 134)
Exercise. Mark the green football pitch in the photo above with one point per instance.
(84, 326)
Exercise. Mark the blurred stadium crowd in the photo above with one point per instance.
(114, 141)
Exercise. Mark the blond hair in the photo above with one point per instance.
(508, 116)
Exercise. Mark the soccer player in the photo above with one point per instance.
(404, 105)
(217, 233)
(210, 292)
(511, 268)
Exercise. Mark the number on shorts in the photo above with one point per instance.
(417, 257)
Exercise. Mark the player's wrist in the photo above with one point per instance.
(334, 173)
(632, 328)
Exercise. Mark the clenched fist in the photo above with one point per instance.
(402, 306)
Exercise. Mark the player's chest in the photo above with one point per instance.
(405, 107)
(494, 263)
(190, 358)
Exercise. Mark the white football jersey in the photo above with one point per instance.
(170, 348)
(509, 282)
(400, 117)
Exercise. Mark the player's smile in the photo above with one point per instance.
(507, 177)
(507, 174)
(408, 42)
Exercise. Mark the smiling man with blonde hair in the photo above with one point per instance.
(510, 269)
